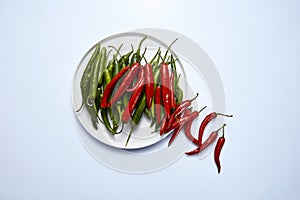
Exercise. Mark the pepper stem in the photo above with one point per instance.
(223, 132)
(143, 55)
(225, 115)
(222, 127)
(152, 60)
(140, 44)
(117, 50)
(169, 49)
(202, 109)
(197, 94)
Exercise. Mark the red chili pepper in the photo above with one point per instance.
(172, 94)
(165, 85)
(132, 104)
(139, 82)
(149, 82)
(204, 123)
(182, 120)
(211, 138)
(125, 84)
(178, 129)
(218, 148)
(179, 109)
(110, 86)
(157, 102)
(187, 131)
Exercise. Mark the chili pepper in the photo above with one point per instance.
(94, 78)
(165, 83)
(211, 138)
(91, 89)
(117, 66)
(179, 95)
(157, 100)
(137, 115)
(183, 119)
(149, 84)
(178, 129)
(180, 108)
(217, 152)
(109, 88)
(204, 123)
(139, 82)
(187, 130)
(172, 95)
(105, 119)
(156, 82)
(124, 60)
(132, 104)
(185, 104)
(84, 82)
(125, 83)
(107, 73)
(102, 64)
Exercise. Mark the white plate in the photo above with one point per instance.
(142, 135)
(202, 77)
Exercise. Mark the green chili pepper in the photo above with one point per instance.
(156, 81)
(137, 115)
(124, 60)
(102, 65)
(180, 95)
(84, 83)
(94, 78)
(117, 66)
(104, 115)
(107, 74)
(106, 122)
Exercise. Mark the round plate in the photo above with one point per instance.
(143, 135)
(202, 77)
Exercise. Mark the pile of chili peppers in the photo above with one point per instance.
(123, 89)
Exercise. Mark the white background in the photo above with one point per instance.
(255, 46)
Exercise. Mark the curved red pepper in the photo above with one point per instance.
(182, 120)
(178, 110)
(165, 86)
(149, 82)
(125, 83)
(110, 86)
(211, 138)
(204, 123)
(178, 129)
(132, 104)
